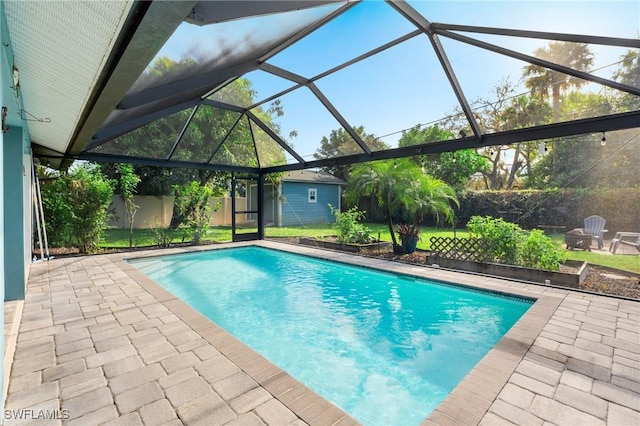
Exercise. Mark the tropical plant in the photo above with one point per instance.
(349, 227)
(409, 236)
(541, 80)
(400, 184)
(429, 196)
(383, 180)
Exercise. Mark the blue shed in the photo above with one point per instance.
(302, 198)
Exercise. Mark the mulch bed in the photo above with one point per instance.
(599, 279)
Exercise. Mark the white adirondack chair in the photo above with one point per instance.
(594, 226)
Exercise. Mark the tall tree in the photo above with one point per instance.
(454, 168)
(503, 111)
(629, 73)
(340, 143)
(571, 161)
(245, 145)
(544, 82)
(524, 111)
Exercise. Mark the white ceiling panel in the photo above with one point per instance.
(60, 49)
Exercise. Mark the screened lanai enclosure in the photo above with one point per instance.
(256, 87)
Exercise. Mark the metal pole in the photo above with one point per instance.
(44, 225)
(233, 208)
(35, 210)
(260, 207)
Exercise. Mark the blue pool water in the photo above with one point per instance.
(385, 348)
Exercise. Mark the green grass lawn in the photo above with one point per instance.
(604, 258)
(218, 234)
(119, 238)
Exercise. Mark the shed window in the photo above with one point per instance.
(313, 195)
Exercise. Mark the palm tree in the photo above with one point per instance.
(541, 80)
(397, 183)
(429, 196)
(381, 179)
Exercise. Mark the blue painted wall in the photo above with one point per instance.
(3, 71)
(297, 210)
(14, 215)
(16, 184)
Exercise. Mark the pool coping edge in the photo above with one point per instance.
(466, 404)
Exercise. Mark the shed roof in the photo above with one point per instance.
(312, 176)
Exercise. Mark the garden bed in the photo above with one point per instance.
(573, 275)
(333, 244)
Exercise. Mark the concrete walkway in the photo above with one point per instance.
(99, 343)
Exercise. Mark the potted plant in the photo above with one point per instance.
(401, 184)
(409, 237)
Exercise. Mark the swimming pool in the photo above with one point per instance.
(385, 348)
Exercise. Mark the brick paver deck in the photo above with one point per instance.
(99, 343)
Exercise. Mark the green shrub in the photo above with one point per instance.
(57, 214)
(192, 202)
(162, 235)
(349, 228)
(89, 196)
(77, 207)
(512, 245)
(503, 237)
(538, 251)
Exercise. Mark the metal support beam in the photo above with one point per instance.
(148, 28)
(279, 72)
(184, 129)
(155, 162)
(233, 208)
(189, 87)
(111, 132)
(261, 207)
(542, 63)
(224, 138)
(336, 114)
(420, 22)
(608, 123)
(574, 38)
(275, 137)
(214, 12)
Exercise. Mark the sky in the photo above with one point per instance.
(405, 85)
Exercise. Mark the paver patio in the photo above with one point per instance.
(99, 343)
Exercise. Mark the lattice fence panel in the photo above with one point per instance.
(473, 249)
